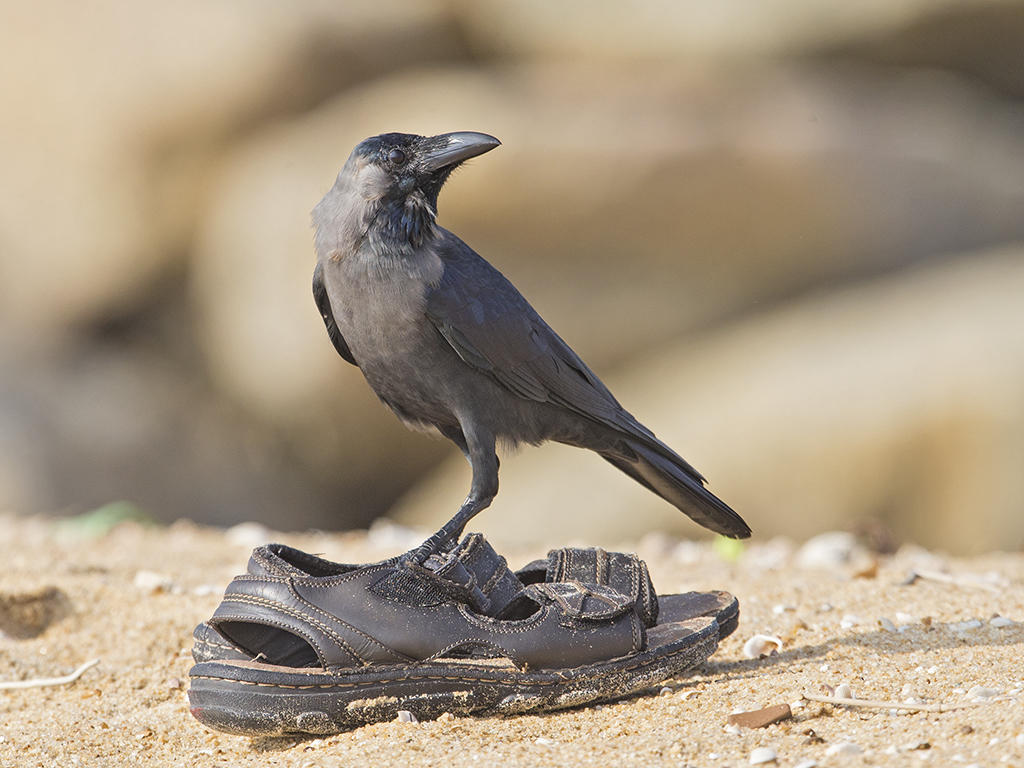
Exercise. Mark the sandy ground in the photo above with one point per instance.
(131, 596)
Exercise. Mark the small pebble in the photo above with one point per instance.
(445, 717)
(965, 626)
(405, 716)
(247, 535)
(387, 534)
(1001, 621)
(763, 755)
(849, 620)
(886, 624)
(665, 691)
(151, 581)
(761, 645)
(544, 741)
(844, 748)
(761, 718)
(904, 618)
(780, 608)
(843, 691)
(828, 550)
(807, 764)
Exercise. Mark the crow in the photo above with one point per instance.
(447, 342)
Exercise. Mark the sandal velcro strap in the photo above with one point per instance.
(581, 601)
(622, 572)
(474, 572)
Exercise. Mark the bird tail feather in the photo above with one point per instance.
(670, 477)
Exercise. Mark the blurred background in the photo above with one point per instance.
(789, 235)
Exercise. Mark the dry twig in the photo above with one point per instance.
(42, 682)
(877, 704)
(958, 581)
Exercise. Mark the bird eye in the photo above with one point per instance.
(396, 156)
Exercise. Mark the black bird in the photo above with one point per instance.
(446, 341)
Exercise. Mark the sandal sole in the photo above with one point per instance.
(253, 699)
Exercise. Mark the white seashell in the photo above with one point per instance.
(886, 624)
(980, 693)
(763, 755)
(849, 620)
(844, 748)
(843, 691)
(545, 741)
(807, 764)
(904, 618)
(405, 716)
(1001, 621)
(761, 645)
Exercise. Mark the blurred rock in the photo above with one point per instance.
(113, 421)
(981, 40)
(27, 614)
(115, 112)
(724, 30)
(899, 399)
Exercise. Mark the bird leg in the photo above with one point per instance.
(448, 534)
(478, 446)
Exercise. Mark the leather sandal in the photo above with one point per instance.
(624, 572)
(330, 646)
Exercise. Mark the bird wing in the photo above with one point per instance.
(323, 303)
(494, 329)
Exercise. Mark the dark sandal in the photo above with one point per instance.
(333, 646)
(626, 573)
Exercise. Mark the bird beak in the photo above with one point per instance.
(450, 149)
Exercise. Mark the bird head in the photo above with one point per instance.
(393, 180)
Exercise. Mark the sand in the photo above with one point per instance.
(131, 596)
